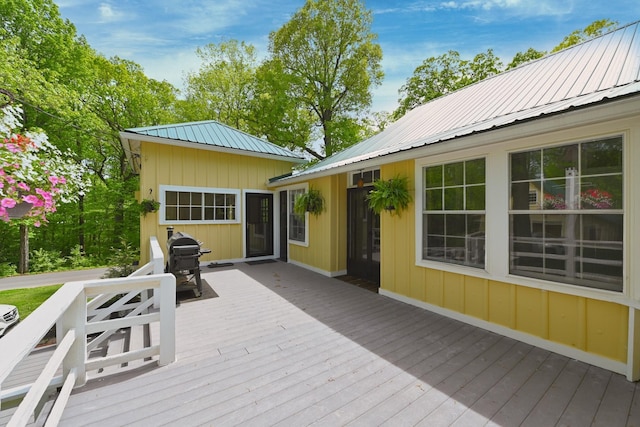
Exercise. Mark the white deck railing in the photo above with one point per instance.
(79, 309)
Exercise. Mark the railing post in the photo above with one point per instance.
(157, 258)
(75, 318)
(167, 320)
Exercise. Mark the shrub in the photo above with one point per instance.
(42, 260)
(78, 259)
(7, 269)
(123, 261)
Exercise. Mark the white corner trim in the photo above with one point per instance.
(565, 350)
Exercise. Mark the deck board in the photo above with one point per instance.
(284, 346)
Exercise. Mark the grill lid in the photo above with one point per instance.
(181, 239)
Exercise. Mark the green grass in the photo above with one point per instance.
(27, 299)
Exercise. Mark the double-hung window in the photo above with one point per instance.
(453, 216)
(200, 205)
(573, 231)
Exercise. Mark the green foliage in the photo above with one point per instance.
(27, 299)
(438, 76)
(391, 195)
(7, 269)
(42, 260)
(311, 201)
(122, 261)
(330, 59)
(595, 29)
(148, 206)
(77, 259)
(222, 88)
(275, 114)
(523, 57)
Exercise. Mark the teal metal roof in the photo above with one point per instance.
(590, 73)
(215, 134)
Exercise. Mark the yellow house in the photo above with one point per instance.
(211, 182)
(524, 190)
(560, 271)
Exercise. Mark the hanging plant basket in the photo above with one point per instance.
(19, 210)
(311, 201)
(391, 195)
(149, 206)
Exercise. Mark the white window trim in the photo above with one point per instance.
(420, 164)
(623, 211)
(357, 173)
(236, 192)
(305, 187)
(497, 213)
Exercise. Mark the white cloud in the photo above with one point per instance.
(109, 14)
(517, 7)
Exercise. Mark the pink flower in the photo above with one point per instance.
(31, 199)
(23, 186)
(12, 147)
(7, 202)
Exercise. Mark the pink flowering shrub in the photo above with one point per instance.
(589, 199)
(34, 171)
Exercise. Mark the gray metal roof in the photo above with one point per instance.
(215, 134)
(603, 68)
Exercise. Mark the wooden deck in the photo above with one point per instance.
(284, 346)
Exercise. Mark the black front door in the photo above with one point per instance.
(363, 241)
(259, 224)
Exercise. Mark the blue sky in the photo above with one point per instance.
(162, 35)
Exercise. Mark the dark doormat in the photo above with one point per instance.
(187, 295)
(361, 283)
(220, 264)
(263, 261)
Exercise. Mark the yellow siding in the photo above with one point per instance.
(598, 327)
(327, 245)
(475, 297)
(601, 320)
(501, 307)
(170, 165)
(530, 311)
(434, 283)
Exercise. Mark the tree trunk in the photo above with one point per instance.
(81, 222)
(23, 267)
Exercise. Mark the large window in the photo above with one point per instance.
(454, 213)
(572, 231)
(297, 223)
(185, 204)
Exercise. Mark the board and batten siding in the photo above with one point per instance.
(586, 324)
(326, 251)
(190, 167)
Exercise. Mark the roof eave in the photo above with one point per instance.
(128, 137)
(601, 111)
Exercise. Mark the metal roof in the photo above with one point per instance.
(215, 134)
(603, 68)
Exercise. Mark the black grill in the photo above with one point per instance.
(184, 260)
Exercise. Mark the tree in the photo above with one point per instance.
(438, 76)
(275, 114)
(328, 54)
(595, 29)
(222, 88)
(523, 57)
